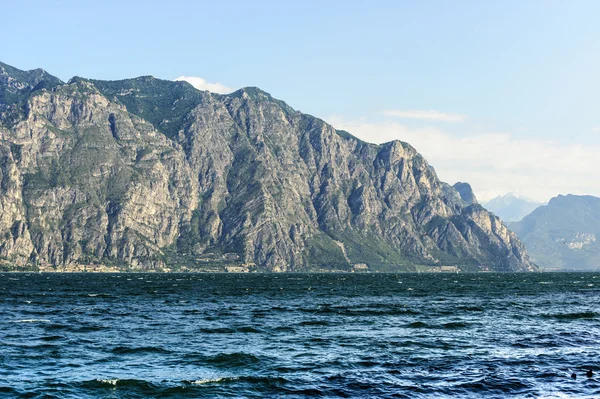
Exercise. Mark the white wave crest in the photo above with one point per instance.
(32, 321)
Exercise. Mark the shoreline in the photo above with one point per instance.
(291, 272)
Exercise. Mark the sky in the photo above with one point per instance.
(504, 95)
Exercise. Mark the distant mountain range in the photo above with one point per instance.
(564, 234)
(149, 174)
(511, 208)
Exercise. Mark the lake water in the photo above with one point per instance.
(299, 335)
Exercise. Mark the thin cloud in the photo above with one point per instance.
(424, 114)
(493, 163)
(596, 129)
(202, 84)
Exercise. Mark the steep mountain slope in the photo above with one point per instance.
(511, 208)
(16, 86)
(145, 173)
(466, 192)
(564, 233)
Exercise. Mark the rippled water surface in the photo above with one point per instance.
(299, 335)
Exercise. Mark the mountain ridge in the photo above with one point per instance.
(562, 235)
(511, 208)
(150, 174)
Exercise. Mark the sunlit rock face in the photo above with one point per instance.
(152, 174)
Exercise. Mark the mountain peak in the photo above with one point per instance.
(25, 76)
(255, 94)
(510, 207)
(146, 78)
(252, 92)
(466, 192)
(16, 85)
(76, 79)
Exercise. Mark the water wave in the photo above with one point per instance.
(126, 350)
(350, 335)
(572, 316)
(31, 321)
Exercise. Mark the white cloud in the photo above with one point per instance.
(202, 84)
(596, 129)
(428, 115)
(494, 163)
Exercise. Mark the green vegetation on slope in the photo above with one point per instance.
(564, 234)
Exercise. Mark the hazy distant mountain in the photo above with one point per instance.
(510, 208)
(150, 174)
(563, 234)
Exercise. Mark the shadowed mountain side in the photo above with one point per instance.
(466, 192)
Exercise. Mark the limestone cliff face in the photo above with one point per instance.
(149, 174)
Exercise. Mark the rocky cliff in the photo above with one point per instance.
(152, 174)
(466, 192)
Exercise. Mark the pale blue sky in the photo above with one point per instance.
(527, 69)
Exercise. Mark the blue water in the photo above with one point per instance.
(299, 335)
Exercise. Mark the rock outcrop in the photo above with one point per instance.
(152, 174)
(466, 192)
